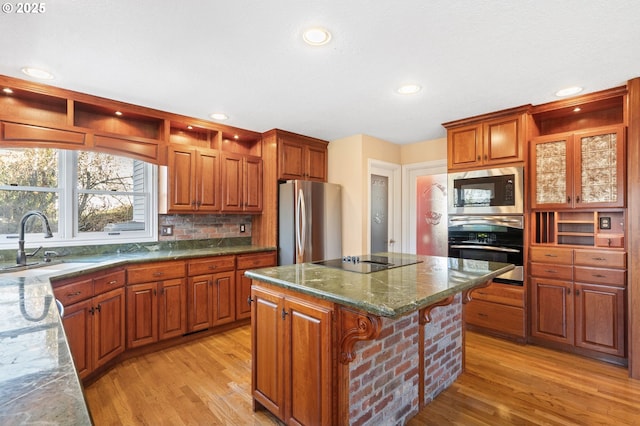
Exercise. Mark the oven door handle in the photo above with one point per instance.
(490, 248)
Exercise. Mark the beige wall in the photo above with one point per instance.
(348, 166)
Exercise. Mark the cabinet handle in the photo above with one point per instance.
(479, 158)
(486, 156)
(249, 300)
(598, 275)
(577, 198)
(212, 267)
(598, 258)
(551, 271)
(158, 274)
(284, 313)
(482, 315)
(155, 293)
(92, 310)
(577, 292)
(112, 282)
(74, 294)
(550, 255)
(99, 307)
(568, 199)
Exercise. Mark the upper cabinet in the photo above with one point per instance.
(487, 141)
(577, 154)
(241, 183)
(301, 157)
(581, 169)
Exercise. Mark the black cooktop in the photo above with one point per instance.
(367, 264)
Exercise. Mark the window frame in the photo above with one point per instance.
(67, 233)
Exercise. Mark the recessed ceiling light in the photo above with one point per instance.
(37, 73)
(7, 90)
(316, 36)
(569, 91)
(219, 116)
(409, 89)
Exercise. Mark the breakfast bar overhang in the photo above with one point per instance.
(332, 346)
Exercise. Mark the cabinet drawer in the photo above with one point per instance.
(155, 272)
(211, 265)
(502, 318)
(604, 240)
(551, 255)
(500, 293)
(546, 270)
(614, 277)
(256, 260)
(613, 259)
(108, 281)
(74, 292)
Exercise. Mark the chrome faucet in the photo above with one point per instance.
(21, 259)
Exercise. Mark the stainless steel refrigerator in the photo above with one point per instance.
(309, 222)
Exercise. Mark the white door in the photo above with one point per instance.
(414, 219)
(384, 218)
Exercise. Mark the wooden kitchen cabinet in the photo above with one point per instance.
(241, 183)
(193, 180)
(486, 141)
(243, 284)
(292, 372)
(301, 157)
(497, 309)
(211, 292)
(156, 302)
(94, 318)
(578, 299)
(584, 169)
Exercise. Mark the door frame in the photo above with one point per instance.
(409, 174)
(394, 208)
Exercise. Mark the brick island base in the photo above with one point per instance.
(389, 378)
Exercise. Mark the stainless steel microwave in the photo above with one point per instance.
(488, 191)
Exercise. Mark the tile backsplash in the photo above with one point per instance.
(200, 227)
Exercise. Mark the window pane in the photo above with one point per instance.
(105, 172)
(29, 167)
(106, 212)
(14, 204)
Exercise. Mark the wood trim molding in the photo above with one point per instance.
(354, 327)
(633, 215)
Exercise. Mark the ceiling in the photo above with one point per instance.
(247, 58)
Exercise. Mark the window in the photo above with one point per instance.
(88, 197)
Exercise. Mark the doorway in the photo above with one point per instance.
(424, 217)
(384, 219)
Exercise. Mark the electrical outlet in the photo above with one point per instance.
(166, 230)
(242, 229)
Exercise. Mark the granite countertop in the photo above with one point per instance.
(38, 380)
(390, 293)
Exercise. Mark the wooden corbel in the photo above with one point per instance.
(356, 326)
(425, 313)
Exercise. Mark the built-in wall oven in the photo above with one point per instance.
(496, 238)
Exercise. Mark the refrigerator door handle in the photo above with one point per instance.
(301, 227)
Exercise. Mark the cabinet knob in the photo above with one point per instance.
(568, 291)
(577, 292)
(479, 158)
(577, 198)
(284, 313)
(249, 300)
(568, 199)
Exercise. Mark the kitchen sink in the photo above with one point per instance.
(42, 268)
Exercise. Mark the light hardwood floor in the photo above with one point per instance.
(207, 382)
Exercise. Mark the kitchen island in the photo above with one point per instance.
(337, 347)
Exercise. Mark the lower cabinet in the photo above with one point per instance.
(156, 310)
(497, 309)
(292, 371)
(578, 303)
(243, 289)
(94, 318)
(211, 292)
